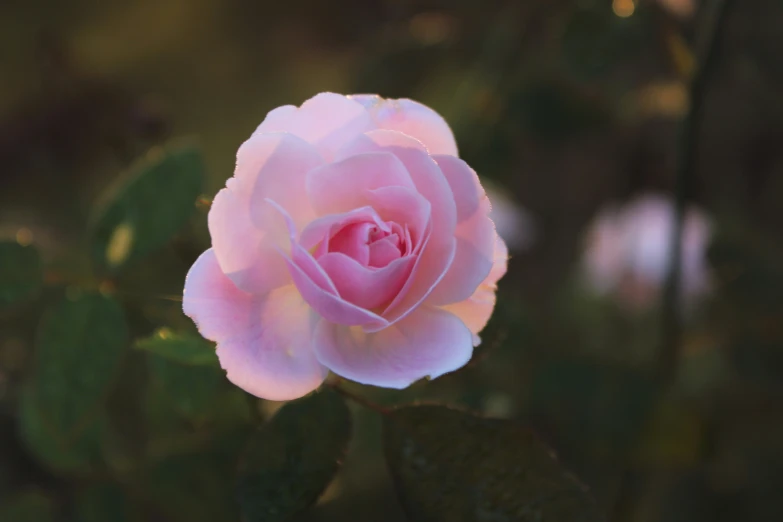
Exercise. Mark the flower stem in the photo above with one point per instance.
(366, 403)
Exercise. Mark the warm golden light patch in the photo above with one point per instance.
(24, 236)
(623, 8)
(119, 244)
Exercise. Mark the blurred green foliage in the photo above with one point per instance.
(564, 104)
(451, 465)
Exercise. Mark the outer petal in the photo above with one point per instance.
(268, 165)
(278, 120)
(239, 246)
(429, 341)
(264, 343)
(411, 118)
(275, 166)
(475, 234)
(476, 310)
(341, 186)
(326, 120)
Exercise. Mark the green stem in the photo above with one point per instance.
(366, 403)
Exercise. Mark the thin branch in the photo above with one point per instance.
(687, 155)
(687, 165)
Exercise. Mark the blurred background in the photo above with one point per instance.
(570, 111)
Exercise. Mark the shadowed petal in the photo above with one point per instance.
(476, 310)
(475, 234)
(264, 343)
(428, 342)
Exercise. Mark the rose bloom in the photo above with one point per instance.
(351, 238)
(629, 251)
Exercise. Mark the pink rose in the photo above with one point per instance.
(629, 251)
(352, 239)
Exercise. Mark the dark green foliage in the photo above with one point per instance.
(28, 506)
(80, 346)
(453, 466)
(190, 390)
(292, 458)
(181, 348)
(596, 41)
(750, 301)
(102, 503)
(151, 204)
(194, 486)
(20, 272)
(77, 452)
(552, 111)
(595, 406)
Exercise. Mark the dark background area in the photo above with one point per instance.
(564, 105)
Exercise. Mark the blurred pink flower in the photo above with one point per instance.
(628, 251)
(351, 238)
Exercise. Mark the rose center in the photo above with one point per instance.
(372, 244)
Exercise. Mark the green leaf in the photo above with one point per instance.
(181, 348)
(453, 466)
(79, 349)
(151, 204)
(66, 455)
(29, 506)
(292, 459)
(20, 272)
(102, 503)
(196, 487)
(191, 390)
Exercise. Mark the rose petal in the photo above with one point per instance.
(277, 120)
(476, 310)
(342, 186)
(411, 118)
(427, 177)
(264, 343)
(278, 164)
(435, 259)
(353, 241)
(404, 206)
(384, 251)
(326, 120)
(244, 256)
(475, 234)
(465, 186)
(316, 286)
(366, 287)
(428, 342)
(315, 231)
(267, 166)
